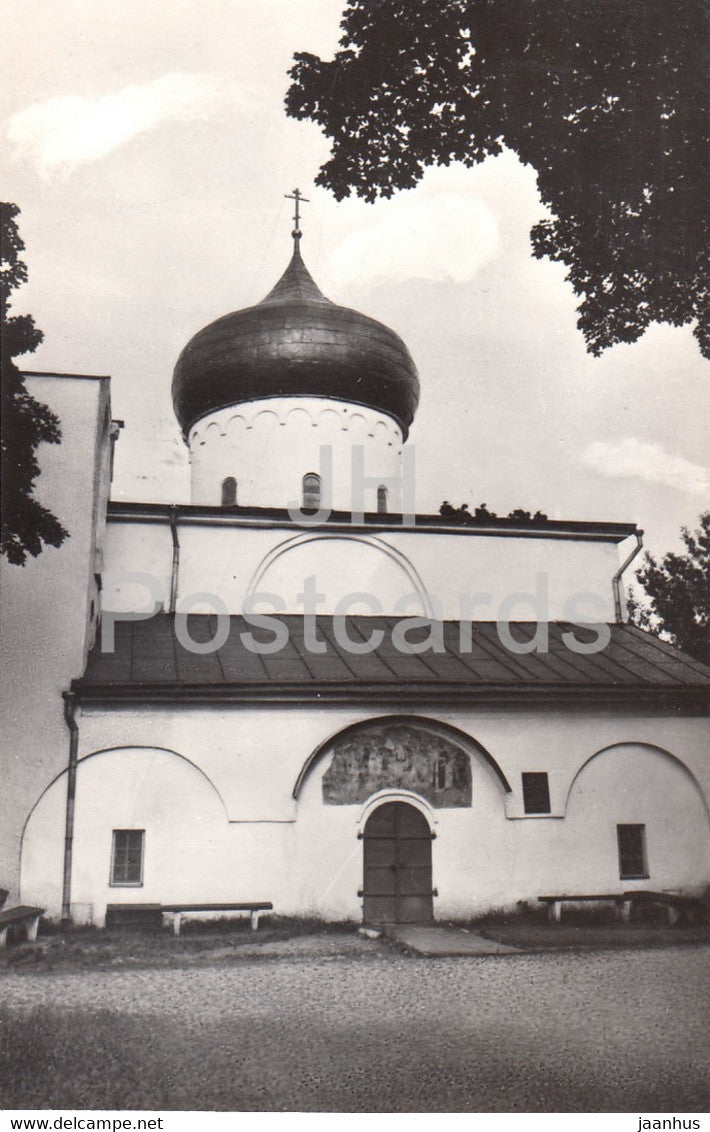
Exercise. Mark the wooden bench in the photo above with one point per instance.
(621, 902)
(140, 916)
(678, 905)
(23, 914)
(176, 911)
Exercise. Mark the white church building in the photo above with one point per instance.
(297, 689)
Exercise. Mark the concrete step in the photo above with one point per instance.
(441, 939)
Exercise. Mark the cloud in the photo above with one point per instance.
(650, 462)
(444, 238)
(67, 131)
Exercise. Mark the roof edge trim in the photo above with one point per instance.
(693, 700)
(137, 511)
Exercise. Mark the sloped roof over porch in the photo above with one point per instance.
(151, 663)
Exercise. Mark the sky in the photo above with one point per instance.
(147, 146)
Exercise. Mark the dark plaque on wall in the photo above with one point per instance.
(394, 757)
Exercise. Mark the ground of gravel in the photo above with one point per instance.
(614, 1031)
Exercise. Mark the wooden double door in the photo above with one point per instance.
(397, 885)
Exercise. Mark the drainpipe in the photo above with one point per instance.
(176, 559)
(70, 718)
(616, 580)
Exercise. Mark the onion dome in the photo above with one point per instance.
(295, 343)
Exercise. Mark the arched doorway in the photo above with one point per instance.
(397, 886)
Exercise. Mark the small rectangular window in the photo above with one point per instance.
(127, 856)
(632, 852)
(536, 792)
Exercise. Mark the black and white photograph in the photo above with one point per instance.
(355, 562)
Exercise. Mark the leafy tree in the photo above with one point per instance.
(606, 100)
(525, 516)
(26, 524)
(679, 591)
(462, 514)
(483, 514)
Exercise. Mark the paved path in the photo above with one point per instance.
(615, 1031)
(440, 941)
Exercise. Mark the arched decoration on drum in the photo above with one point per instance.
(430, 758)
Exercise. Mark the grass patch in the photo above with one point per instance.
(222, 940)
(213, 940)
(583, 928)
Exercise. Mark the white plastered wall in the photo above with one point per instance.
(270, 444)
(50, 604)
(213, 790)
(635, 784)
(460, 575)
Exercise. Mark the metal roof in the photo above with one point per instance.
(295, 343)
(236, 516)
(149, 664)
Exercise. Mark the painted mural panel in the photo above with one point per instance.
(397, 757)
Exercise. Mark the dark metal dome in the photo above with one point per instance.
(295, 343)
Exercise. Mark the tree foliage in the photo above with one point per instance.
(482, 514)
(26, 422)
(679, 591)
(606, 100)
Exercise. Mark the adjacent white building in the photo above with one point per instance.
(297, 689)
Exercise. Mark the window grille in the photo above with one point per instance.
(311, 491)
(127, 856)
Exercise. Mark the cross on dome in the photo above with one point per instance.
(296, 196)
(295, 343)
